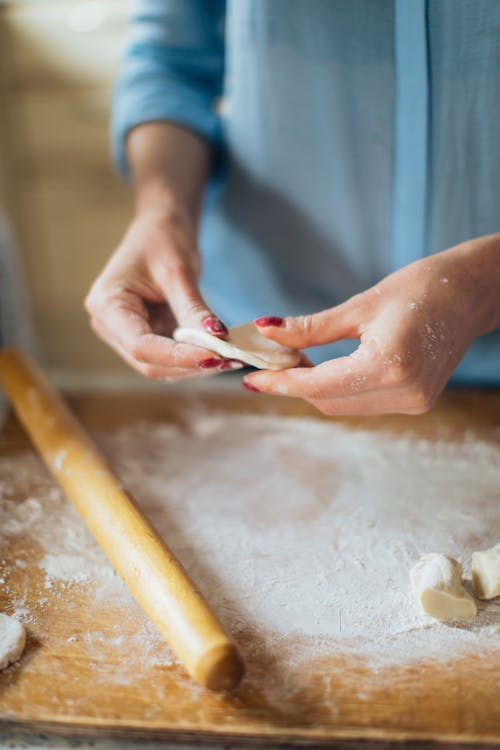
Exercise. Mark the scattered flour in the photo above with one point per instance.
(68, 568)
(293, 528)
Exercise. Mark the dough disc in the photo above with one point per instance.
(244, 343)
(12, 640)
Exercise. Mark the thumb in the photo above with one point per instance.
(342, 321)
(182, 294)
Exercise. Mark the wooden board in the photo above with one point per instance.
(54, 687)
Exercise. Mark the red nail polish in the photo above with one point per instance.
(250, 387)
(269, 320)
(210, 362)
(214, 325)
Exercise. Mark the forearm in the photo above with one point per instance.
(170, 167)
(480, 271)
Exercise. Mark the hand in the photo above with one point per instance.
(413, 327)
(148, 287)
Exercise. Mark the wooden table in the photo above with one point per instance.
(447, 702)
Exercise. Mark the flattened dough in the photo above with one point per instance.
(486, 572)
(244, 343)
(437, 583)
(12, 640)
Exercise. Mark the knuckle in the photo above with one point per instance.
(152, 372)
(99, 297)
(90, 302)
(399, 370)
(395, 375)
(177, 356)
(196, 307)
(136, 351)
(305, 324)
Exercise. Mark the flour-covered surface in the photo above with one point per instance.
(300, 533)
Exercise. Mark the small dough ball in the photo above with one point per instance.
(244, 343)
(12, 640)
(436, 581)
(486, 572)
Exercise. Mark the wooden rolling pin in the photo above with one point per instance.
(151, 571)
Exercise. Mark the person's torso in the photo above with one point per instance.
(360, 136)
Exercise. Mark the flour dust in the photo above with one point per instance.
(292, 528)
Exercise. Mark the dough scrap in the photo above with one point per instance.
(12, 640)
(436, 581)
(244, 343)
(486, 572)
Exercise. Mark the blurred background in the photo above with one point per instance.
(65, 206)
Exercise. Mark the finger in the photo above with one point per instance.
(125, 323)
(336, 378)
(182, 294)
(154, 372)
(319, 328)
(206, 367)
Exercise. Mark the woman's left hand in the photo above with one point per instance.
(414, 328)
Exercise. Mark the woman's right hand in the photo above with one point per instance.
(149, 287)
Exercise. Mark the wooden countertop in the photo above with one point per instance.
(455, 701)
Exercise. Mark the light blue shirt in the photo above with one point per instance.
(353, 137)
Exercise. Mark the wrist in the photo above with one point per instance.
(170, 168)
(156, 196)
(481, 281)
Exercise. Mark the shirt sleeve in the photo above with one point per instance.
(172, 70)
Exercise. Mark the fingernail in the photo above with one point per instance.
(210, 362)
(250, 387)
(214, 325)
(269, 320)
